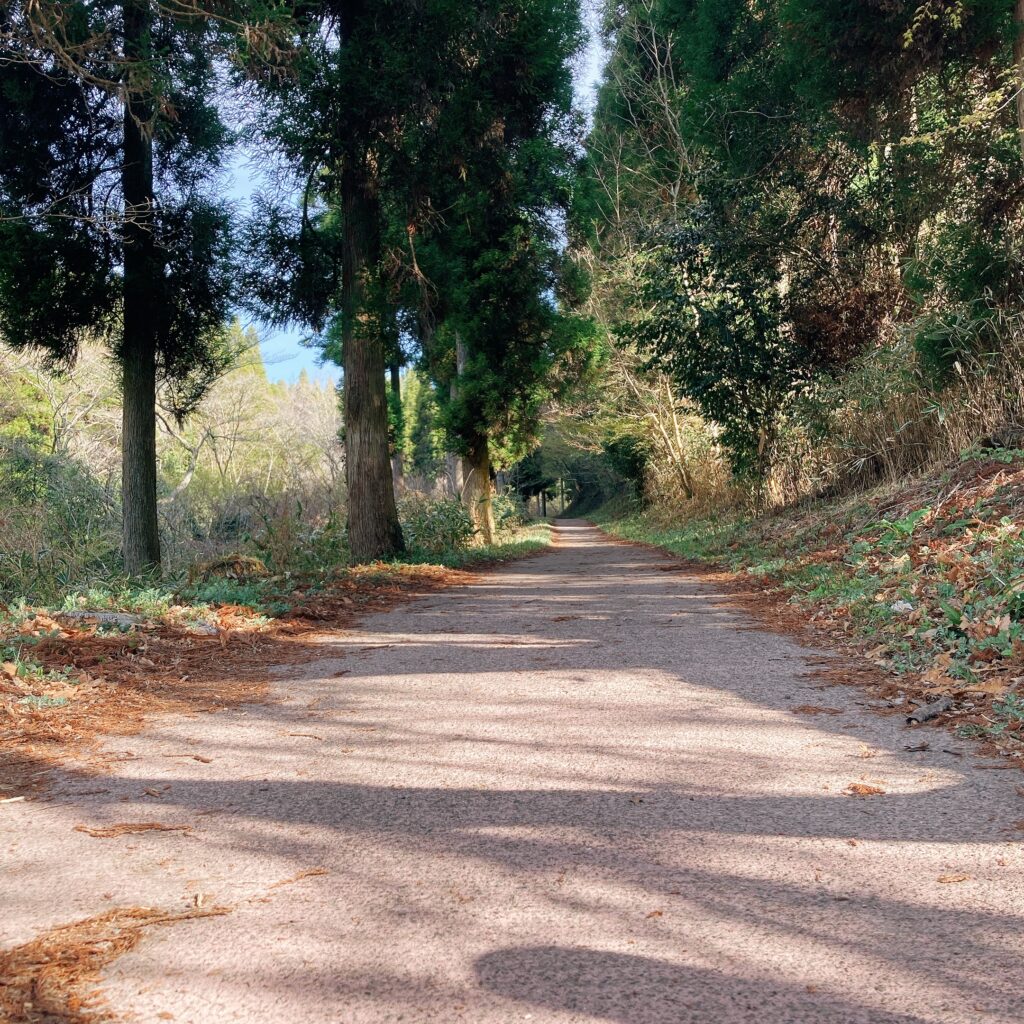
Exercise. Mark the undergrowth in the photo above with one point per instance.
(100, 660)
(200, 606)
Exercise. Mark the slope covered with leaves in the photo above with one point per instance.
(926, 579)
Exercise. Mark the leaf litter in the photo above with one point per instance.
(54, 978)
(924, 580)
(75, 682)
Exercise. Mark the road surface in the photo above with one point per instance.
(575, 791)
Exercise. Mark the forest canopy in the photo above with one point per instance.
(776, 255)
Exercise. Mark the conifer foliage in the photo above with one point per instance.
(109, 225)
(430, 142)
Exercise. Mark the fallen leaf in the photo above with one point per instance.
(863, 789)
(947, 879)
(993, 686)
(814, 709)
(656, 913)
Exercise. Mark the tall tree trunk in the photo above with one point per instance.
(1018, 62)
(455, 465)
(474, 468)
(141, 529)
(373, 528)
(397, 457)
(476, 492)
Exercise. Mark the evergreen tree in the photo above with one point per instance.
(407, 122)
(497, 333)
(353, 123)
(109, 223)
(771, 188)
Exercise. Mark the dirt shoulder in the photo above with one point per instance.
(70, 681)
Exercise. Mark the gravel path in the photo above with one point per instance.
(572, 792)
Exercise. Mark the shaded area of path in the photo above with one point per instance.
(572, 792)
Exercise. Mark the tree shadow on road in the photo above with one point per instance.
(446, 742)
(632, 989)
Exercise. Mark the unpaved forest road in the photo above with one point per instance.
(572, 792)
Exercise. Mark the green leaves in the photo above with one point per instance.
(713, 320)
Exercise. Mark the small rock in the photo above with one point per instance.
(101, 618)
(202, 628)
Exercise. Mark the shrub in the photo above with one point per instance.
(58, 524)
(299, 536)
(434, 525)
(509, 511)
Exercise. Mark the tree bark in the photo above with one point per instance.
(1018, 61)
(455, 465)
(373, 528)
(397, 458)
(141, 529)
(473, 469)
(476, 492)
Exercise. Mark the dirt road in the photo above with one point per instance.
(575, 791)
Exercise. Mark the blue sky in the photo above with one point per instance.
(283, 352)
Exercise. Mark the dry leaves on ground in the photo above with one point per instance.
(52, 979)
(90, 684)
(863, 789)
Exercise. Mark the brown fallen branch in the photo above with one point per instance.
(926, 712)
(130, 828)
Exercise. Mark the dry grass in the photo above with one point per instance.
(881, 422)
(53, 978)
